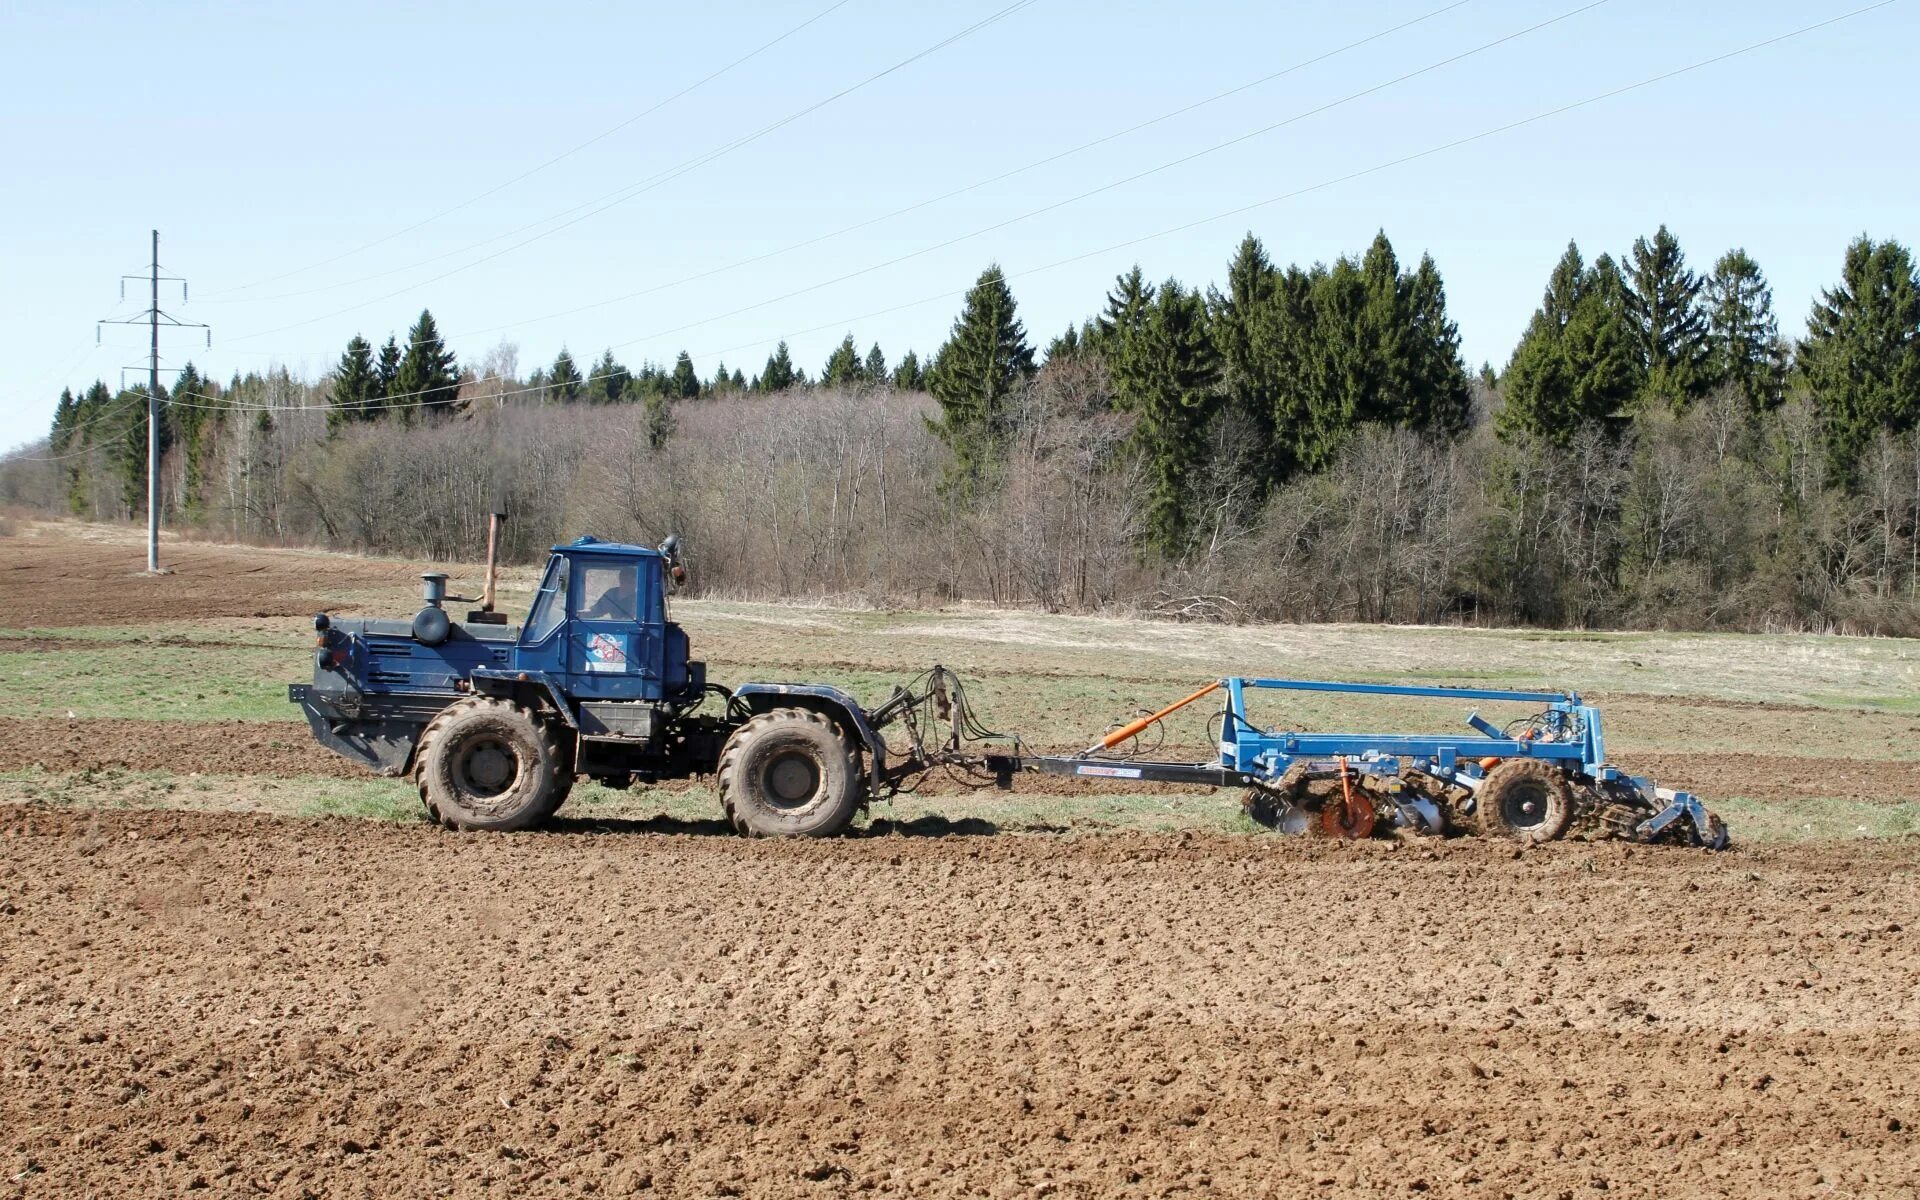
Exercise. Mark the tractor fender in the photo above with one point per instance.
(513, 685)
(759, 697)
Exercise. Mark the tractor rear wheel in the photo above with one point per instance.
(489, 764)
(1527, 800)
(789, 773)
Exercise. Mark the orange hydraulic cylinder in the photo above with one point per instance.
(1126, 731)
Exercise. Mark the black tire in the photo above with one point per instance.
(1527, 800)
(489, 764)
(789, 773)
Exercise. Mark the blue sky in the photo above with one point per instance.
(263, 140)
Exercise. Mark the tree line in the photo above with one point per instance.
(1294, 441)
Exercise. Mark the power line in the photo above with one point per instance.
(614, 199)
(1123, 181)
(401, 400)
(126, 403)
(976, 185)
(1183, 159)
(1133, 178)
(1362, 173)
(532, 171)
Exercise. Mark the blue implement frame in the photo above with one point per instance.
(1573, 739)
(1564, 731)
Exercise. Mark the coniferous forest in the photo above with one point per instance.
(1290, 442)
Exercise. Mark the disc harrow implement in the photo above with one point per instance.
(1539, 779)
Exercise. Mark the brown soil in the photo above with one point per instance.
(344, 1008)
(1782, 776)
(286, 749)
(184, 747)
(64, 579)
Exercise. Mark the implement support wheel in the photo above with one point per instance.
(789, 773)
(1526, 799)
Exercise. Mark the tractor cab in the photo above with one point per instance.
(599, 623)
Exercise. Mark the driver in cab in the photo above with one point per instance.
(617, 601)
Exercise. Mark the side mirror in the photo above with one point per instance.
(670, 550)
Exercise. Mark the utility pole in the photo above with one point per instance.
(153, 318)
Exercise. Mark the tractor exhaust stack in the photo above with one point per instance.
(484, 615)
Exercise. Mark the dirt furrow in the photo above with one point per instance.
(349, 1008)
(285, 749)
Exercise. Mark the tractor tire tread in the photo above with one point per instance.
(744, 737)
(435, 728)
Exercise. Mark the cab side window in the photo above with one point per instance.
(550, 606)
(607, 593)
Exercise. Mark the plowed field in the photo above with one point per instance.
(349, 1008)
(634, 1002)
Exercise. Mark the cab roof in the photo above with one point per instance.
(593, 545)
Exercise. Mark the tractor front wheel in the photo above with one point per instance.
(488, 764)
(1526, 799)
(789, 773)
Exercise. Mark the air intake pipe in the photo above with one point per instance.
(431, 625)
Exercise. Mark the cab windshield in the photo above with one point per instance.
(551, 603)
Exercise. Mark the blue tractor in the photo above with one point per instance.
(495, 723)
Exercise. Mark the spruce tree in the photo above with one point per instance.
(1128, 306)
(1537, 386)
(874, 370)
(607, 382)
(1439, 398)
(386, 369)
(658, 407)
(95, 403)
(68, 438)
(907, 377)
(1241, 318)
(778, 375)
(685, 382)
(1579, 360)
(1342, 373)
(353, 386)
(1285, 352)
(1165, 367)
(1608, 368)
(65, 417)
(1670, 330)
(564, 382)
(1743, 335)
(843, 365)
(1065, 347)
(97, 422)
(975, 374)
(128, 451)
(740, 380)
(1861, 358)
(1565, 286)
(1385, 361)
(191, 420)
(428, 377)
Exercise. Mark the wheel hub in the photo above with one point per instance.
(489, 767)
(1525, 810)
(792, 779)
